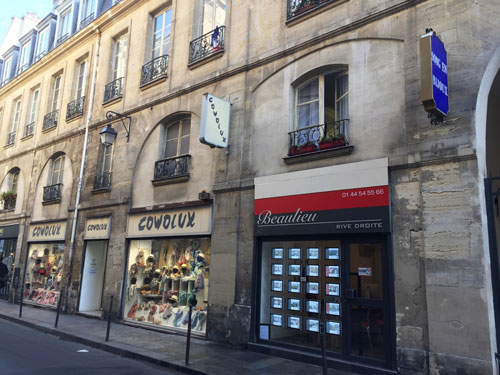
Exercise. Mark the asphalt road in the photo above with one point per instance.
(30, 352)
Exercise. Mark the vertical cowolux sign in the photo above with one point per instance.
(434, 75)
(215, 115)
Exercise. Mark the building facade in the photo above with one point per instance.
(336, 207)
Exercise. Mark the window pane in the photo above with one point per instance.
(186, 127)
(220, 13)
(308, 92)
(171, 149)
(342, 97)
(173, 131)
(208, 16)
(184, 145)
(308, 114)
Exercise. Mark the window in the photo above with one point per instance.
(161, 33)
(321, 113)
(55, 89)
(119, 57)
(102, 178)
(24, 61)
(214, 14)
(16, 112)
(177, 138)
(13, 180)
(42, 43)
(56, 170)
(6, 70)
(88, 8)
(32, 110)
(9, 192)
(80, 79)
(64, 26)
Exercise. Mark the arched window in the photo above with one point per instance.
(9, 191)
(177, 138)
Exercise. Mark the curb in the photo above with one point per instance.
(103, 346)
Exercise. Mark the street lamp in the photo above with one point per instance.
(108, 134)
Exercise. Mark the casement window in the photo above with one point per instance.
(177, 138)
(102, 179)
(214, 14)
(56, 170)
(119, 58)
(322, 99)
(13, 180)
(81, 80)
(55, 93)
(16, 114)
(41, 48)
(87, 8)
(24, 61)
(33, 106)
(162, 26)
(6, 70)
(64, 25)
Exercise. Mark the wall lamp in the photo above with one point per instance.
(108, 134)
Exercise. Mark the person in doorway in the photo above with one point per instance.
(4, 273)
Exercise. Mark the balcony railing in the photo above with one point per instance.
(11, 138)
(154, 70)
(29, 129)
(22, 68)
(87, 20)
(207, 45)
(75, 108)
(62, 39)
(297, 7)
(4, 82)
(52, 193)
(318, 138)
(113, 90)
(171, 168)
(102, 181)
(8, 204)
(40, 55)
(50, 120)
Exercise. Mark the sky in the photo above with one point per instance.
(18, 8)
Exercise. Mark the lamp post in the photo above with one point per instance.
(108, 134)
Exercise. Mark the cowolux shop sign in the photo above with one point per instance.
(347, 211)
(47, 231)
(196, 220)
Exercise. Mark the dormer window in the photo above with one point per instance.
(64, 27)
(41, 49)
(24, 61)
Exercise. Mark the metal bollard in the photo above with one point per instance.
(109, 318)
(58, 308)
(192, 302)
(21, 301)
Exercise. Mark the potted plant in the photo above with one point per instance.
(9, 199)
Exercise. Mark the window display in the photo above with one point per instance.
(163, 276)
(44, 273)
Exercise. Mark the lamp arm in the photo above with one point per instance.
(114, 116)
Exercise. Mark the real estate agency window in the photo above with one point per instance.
(322, 107)
(162, 27)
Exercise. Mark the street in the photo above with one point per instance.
(27, 351)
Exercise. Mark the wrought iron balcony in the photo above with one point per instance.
(52, 193)
(318, 138)
(171, 168)
(40, 55)
(75, 108)
(102, 181)
(154, 70)
(11, 138)
(29, 129)
(8, 203)
(62, 39)
(50, 120)
(22, 68)
(297, 7)
(87, 20)
(113, 90)
(4, 82)
(207, 45)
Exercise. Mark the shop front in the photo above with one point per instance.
(8, 242)
(324, 264)
(44, 263)
(96, 238)
(168, 268)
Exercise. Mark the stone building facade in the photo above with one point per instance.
(337, 202)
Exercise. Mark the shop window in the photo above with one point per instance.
(102, 179)
(44, 273)
(53, 191)
(114, 89)
(211, 31)
(175, 151)
(321, 115)
(9, 193)
(163, 276)
(7, 251)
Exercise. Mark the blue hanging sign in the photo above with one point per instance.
(434, 75)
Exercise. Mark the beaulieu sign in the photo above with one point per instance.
(356, 210)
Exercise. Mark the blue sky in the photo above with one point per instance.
(11, 8)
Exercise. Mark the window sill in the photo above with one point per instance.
(171, 180)
(46, 130)
(9, 145)
(7, 210)
(313, 12)
(206, 59)
(100, 191)
(48, 203)
(317, 155)
(27, 136)
(154, 82)
(112, 101)
(73, 118)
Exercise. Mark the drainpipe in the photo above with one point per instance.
(90, 107)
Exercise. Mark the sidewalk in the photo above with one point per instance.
(157, 347)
